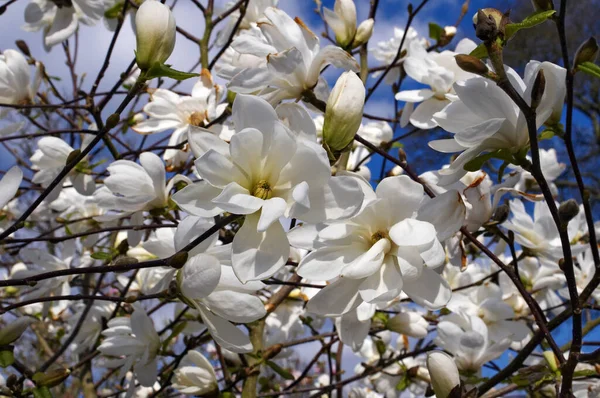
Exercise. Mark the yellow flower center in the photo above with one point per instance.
(197, 119)
(262, 190)
(377, 236)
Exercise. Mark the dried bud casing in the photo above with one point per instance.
(21, 45)
(568, 210)
(587, 52)
(539, 85)
(471, 64)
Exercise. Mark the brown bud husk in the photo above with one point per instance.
(112, 121)
(539, 85)
(21, 45)
(471, 64)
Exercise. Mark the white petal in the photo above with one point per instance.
(414, 95)
(199, 276)
(411, 232)
(237, 200)
(336, 299)
(9, 185)
(327, 263)
(270, 212)
(196, 199)
(429, 290)
(225, 333)
(235, 307)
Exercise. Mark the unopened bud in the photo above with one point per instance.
(542, 5)
(587, 52)
(21, 45)
(344, 112)
(155, 34)
(539, 85)
(568, 210)
(178, 260)
(112, 121)
(486, 23)
(443, 372)
(14, 330)
(72, 156)
(51, 378)
(363, 33)
(471, 64)
(125, 261)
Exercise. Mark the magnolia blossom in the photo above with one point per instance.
(294, 59)
(467, 338)
(16, 85)
(437, 70)
(485, 119)
(266, 173)
(90, 330)
(342, 20)
(133, 188)
(195, 375)
(254, 12)
(50, 159)
(392, 245)
(9, 185)
(134, 343)
(386, 51)
(61, 19)
(443, 372)
(583, 274)
(154, 33)
(206, 280)
(183, 115)
(551, 169)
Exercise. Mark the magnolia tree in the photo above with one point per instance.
(243, 228)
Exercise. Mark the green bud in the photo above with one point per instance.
(73, 155)
(51, 378)
(551, 360)
(125, 261)
(112, 121)
(178, 260)
(587, 52)
(14, 330)
(344, 111)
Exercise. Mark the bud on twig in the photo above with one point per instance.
(344, 112)
(14, 330)
(501, 214)
(542, 5)
(21, 45)
(155, 34)
(443, 372)
(539, 85)
(112, 121)
(471, 64)
(587, 52)
(363, 33)
(178, 260)
(568, 210)
(51, 378)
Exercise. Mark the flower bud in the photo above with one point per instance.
(178, 260)
(51, 378)
(489, 23)
(539, 85)
(15, 329)
(409, 323)
(443, 372)
(568, 210)
(344, 111)
(155, 34)
(471, 64)
(363, 33)
(587, 52)
(542, 5)
(342, 21)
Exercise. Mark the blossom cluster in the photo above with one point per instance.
(195, 239)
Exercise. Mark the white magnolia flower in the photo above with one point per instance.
(294, 59)
(13, 329)
(254, 12)
(466, 337)
(195, 375)
(353, 327)
(542, 279)
(266, 173)
(232, 62)
(134, 343)
(60, 19)
(408, 323)
(538, 233)
(134, 188)
(386, 51)
(551, 169)
(437, 70)
(485, 301)
(583, 274)
(50, 159)
(207, 281)
(485, 119)
(391, 246)
(16, 85)
(183, 115)
(376, 132)
(9, 185)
